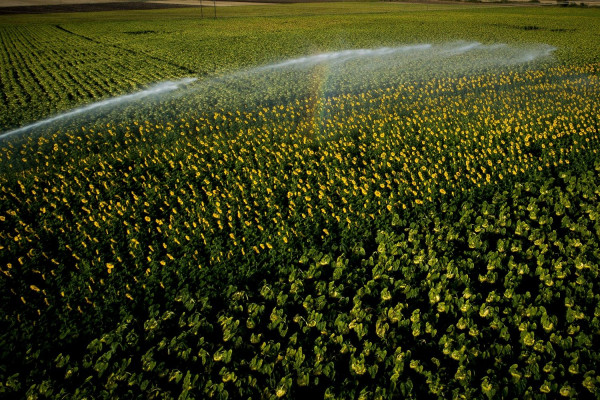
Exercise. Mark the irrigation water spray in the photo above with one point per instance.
(357, 69)
(490, 54)
(157, 89)
(361, 67)
(341, 56)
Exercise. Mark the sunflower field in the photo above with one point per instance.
(425, 232)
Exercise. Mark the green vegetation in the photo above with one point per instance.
(428, 230)
(109, 53)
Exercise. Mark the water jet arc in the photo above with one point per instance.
(163, 87)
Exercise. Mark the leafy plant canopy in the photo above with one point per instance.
(400, 216)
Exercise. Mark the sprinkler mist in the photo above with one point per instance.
(155, 90)
(356, 69)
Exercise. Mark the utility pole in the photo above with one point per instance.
(201, 10)
(215, 5)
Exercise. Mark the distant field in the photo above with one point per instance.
(327, 200)
(29, 3)
(116, 4)
(39, 3)
(76, 6)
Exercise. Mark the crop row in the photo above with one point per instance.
(41, 76)
(495, 298)
(241, 187)
(125, 214)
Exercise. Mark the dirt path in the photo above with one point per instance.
(39, 3)
(195, 3)
(55, 6)
(81, 7)
(115, 3)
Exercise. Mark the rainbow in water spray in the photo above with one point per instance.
(370, 62)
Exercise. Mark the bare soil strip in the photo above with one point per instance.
(69, 6)
(210, 3)
(19, 3)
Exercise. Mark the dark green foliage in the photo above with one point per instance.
(425, 239)
(496, 297)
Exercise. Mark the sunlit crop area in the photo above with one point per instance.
(405, 218)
